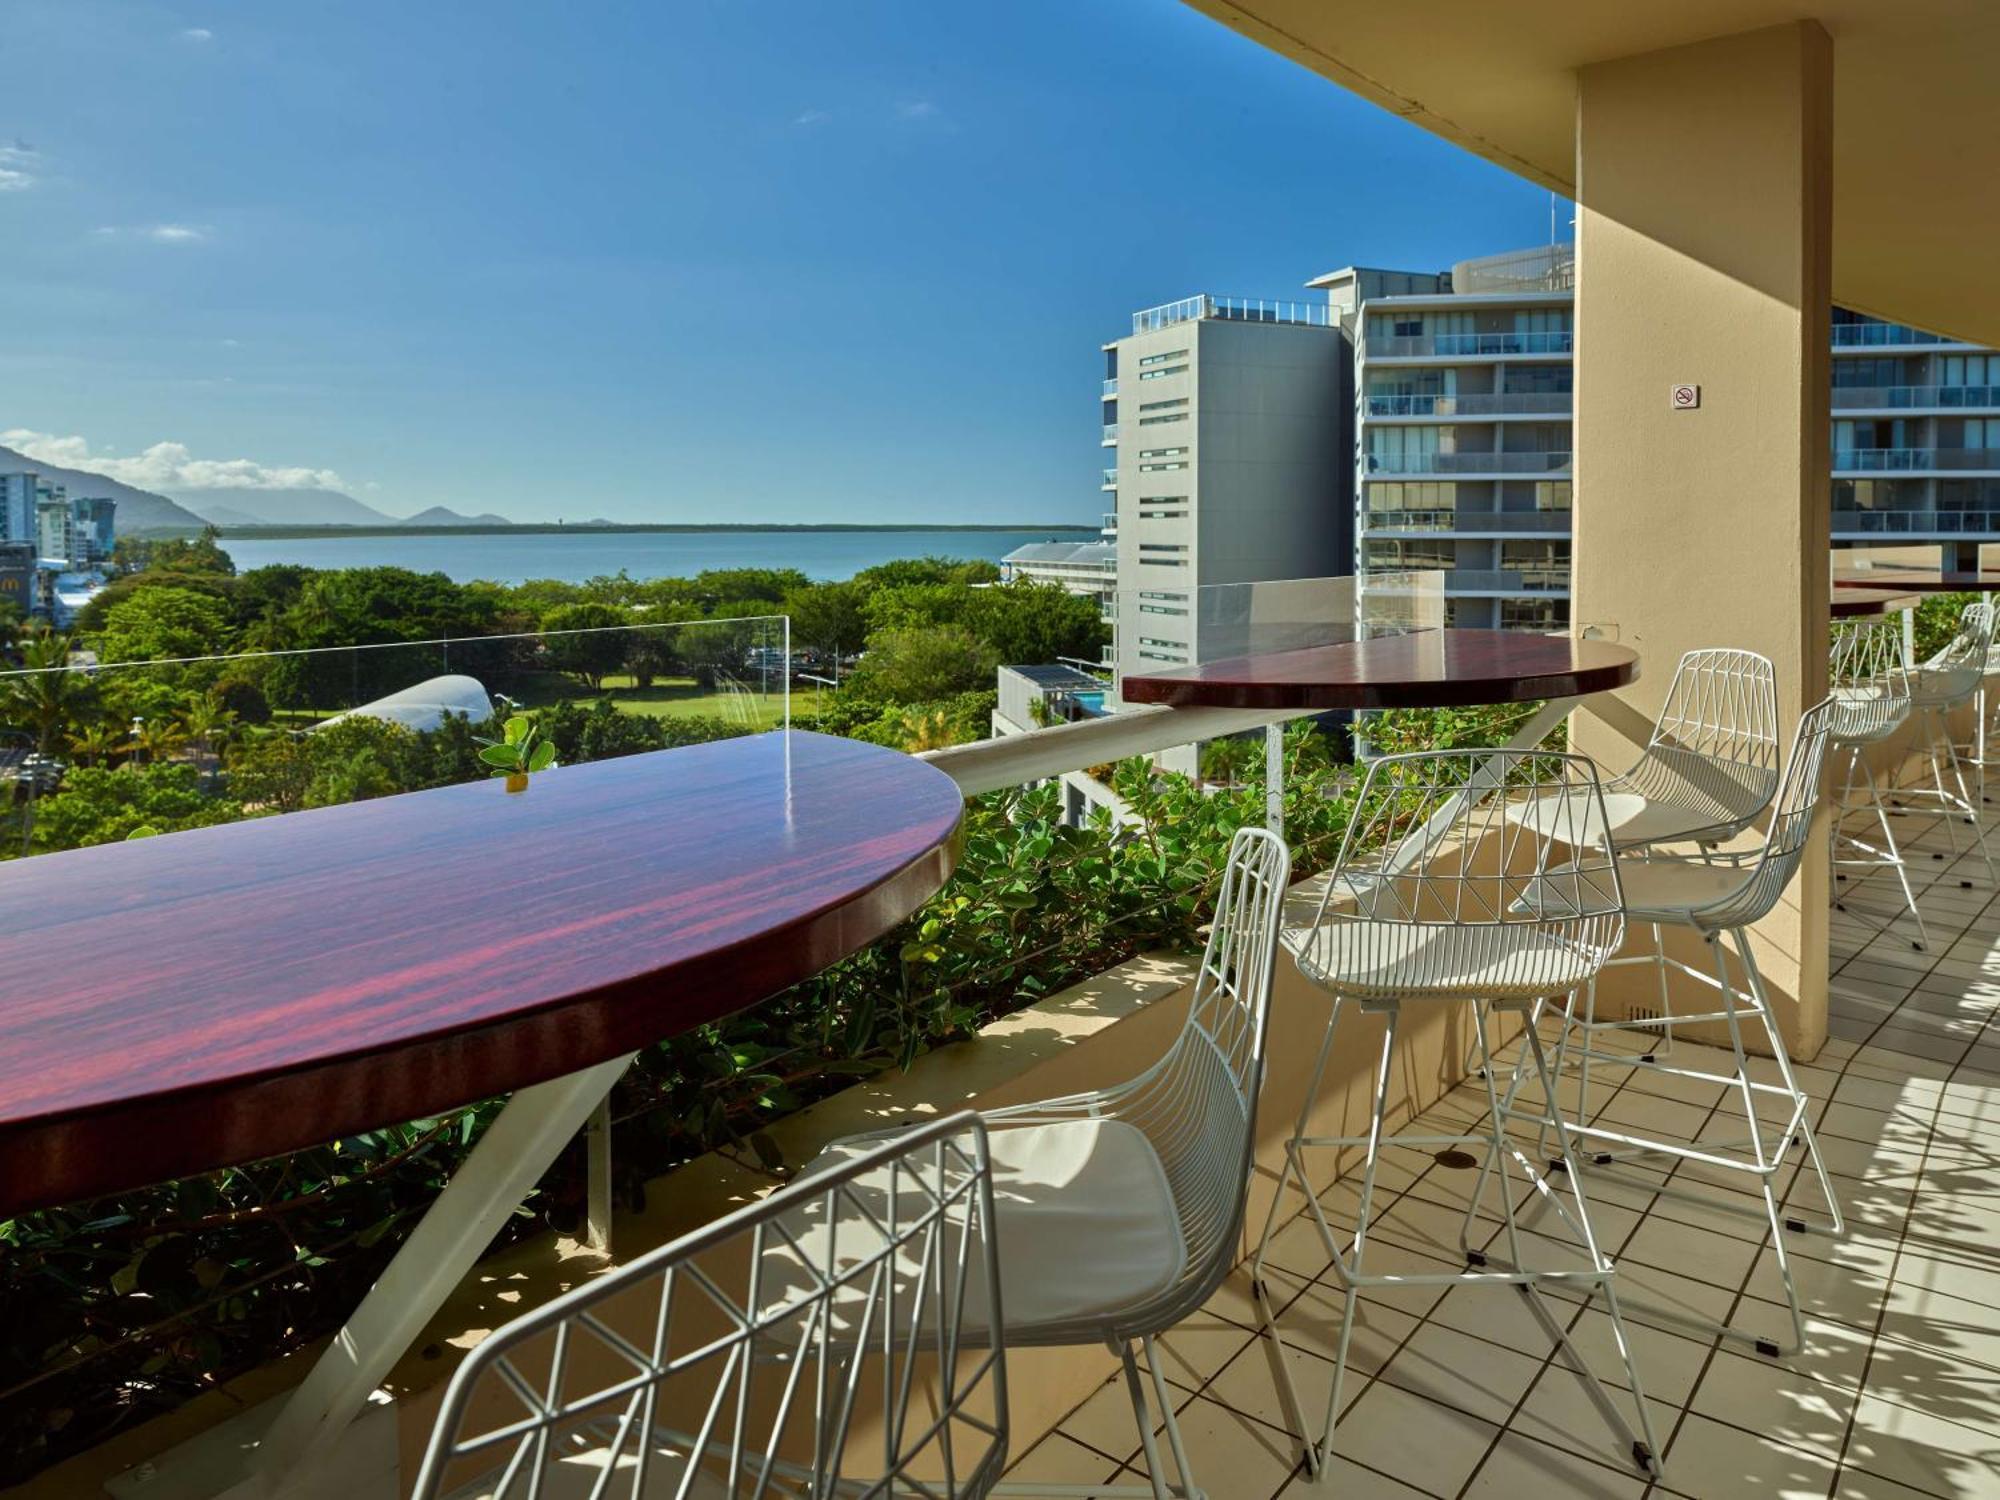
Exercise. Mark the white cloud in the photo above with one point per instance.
(197, 34)
(918, 109)
(810, 117)
(158, 234)
(20, 165)
(168, 466)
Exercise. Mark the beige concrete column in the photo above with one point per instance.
(1703, 241)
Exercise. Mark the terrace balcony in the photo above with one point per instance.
(1472, 523)
(1449, 1395)
(1502, 404)
(1702, 149)
(1915, 398)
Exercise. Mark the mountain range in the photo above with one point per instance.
(144, 511)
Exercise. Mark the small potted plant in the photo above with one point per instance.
(520, 752)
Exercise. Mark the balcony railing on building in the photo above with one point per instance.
(1554, 461)
(1231, 309)
(1504, 404)
(1110, 433)
(1914, 460)
(1872, 335)
(1853, 522)
(1548, 522)
(1469, 345)
(1915, 397)
(1111, 387)
(1484, 581)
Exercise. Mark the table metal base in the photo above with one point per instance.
(297, 1446)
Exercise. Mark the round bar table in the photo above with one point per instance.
(190, 1002)
(1870, 604)
(1423, 669)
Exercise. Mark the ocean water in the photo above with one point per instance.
(575, 556)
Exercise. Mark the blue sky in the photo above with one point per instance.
(795, 260)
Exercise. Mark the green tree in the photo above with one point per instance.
(201, 554)
(920, 665)
(585, 641)
(48, 699)
(904, 571)
(99, 806)
(828, 617)
(154, 624)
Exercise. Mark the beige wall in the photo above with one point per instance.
(1703, 257)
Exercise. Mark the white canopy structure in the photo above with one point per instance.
(425, 705)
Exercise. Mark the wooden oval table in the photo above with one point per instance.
(1422, 669)
(1870, 604)
(189, 1002)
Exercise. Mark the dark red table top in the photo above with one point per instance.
(1856, 603)
(1424, 669)
(206, 998)
(1923, 583)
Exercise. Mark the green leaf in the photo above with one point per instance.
(518, 727)
(504, 756)
(543, 758)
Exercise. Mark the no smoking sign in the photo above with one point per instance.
(1686, 397)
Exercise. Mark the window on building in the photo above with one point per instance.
(1156, 421)
(1161, 452)
(1163, 405)
(1539, 380)
(1387, 554)
(1161, 359)
(1412, 494)
(1159, 468)
(1162, 374)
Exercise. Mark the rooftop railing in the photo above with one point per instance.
(1480, 581)
(1556, 461)
(1231, 309)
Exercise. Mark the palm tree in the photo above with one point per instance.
(47, 697)
(97, 743)
(207, 723)
(159, 737)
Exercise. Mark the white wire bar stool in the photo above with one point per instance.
(1709, 770)
(1939, 688)
(1871, 703)
(1120, 1211)
(747, 1360)
(1437, 899)
(1720, 896)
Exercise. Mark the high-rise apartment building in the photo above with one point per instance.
(17, 507)
(1228, 460)
(1444, 401)
(1462, 438)
(1916, 438)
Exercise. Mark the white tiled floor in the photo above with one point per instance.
(1896, 1396)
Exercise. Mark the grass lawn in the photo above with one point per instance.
(667, 698)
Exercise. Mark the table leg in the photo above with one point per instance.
(1485, 779)
(520, 1144)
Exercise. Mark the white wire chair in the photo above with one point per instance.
(1708, 771)
(1939, 688)
(1435, 899)
(1870, 704)
(741, 1361)
(1720, 896)
(1120, 1210)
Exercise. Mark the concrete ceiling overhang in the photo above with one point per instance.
(1916, 137)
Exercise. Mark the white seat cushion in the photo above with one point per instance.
(1663, 890)
(1087, 1224)
(1439, 960)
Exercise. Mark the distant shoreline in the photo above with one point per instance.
(552, 528)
